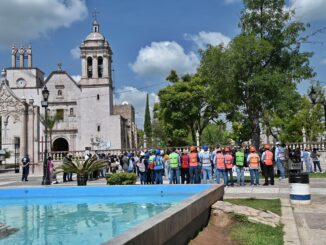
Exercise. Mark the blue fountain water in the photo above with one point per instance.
(83, 215)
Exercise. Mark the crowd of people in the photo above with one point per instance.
(194, 166)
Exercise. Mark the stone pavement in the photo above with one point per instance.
(303, 224)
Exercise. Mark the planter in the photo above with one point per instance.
(81, 180)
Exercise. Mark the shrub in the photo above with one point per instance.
(121, 179)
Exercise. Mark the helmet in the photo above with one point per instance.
(218, 150)
(278, 143)
(267, 146)
(147, 154)
(252, 149)
(192, 148)
(205, 147)
(157, 152)
(227, 149)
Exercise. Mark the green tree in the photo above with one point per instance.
(215, 133)
(258, 72)
(148, 123)
(184, 108)
(51, 122)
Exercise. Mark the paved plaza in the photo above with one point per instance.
(303, 224)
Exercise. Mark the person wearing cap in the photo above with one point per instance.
(205, 160)
(279, 159)
(158, 167)
(267, 160)
(174, 161)
(185, 168)
(219, 165)
(253, 161)
(228, 158)
(240, 162)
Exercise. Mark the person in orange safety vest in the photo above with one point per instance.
(253, 161)
(267, 160)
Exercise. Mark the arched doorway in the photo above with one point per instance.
(60, 144)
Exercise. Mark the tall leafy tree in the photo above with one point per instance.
(184, 108)
(51, 122)
(258, 72)
(147, 122)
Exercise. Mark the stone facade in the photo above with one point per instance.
(85, 118)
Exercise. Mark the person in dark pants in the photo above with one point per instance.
(267, 160)
(185, 178)
(25, 165)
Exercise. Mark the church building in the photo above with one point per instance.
(81, 114)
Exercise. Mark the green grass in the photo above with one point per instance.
(273, 205)
(247, 233)
(317, 175)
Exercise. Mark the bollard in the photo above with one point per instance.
(299, 188)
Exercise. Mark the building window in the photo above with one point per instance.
(59, 93)
(60, 114)
(71, 111)
(100, 66)
(89, 67)
(98, 97)
(98, 128)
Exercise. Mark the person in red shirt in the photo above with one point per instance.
(185, 168)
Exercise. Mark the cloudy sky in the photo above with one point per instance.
(148, 38)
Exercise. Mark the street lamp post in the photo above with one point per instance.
(46, 176)
(313, 97)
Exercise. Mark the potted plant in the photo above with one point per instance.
(82, 168)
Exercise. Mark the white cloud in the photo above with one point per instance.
(309, 10)
(137, 98)
(203, 38)
(77, 78)
(231, 1)
(26, 20)
(158, 59)
(75, 53)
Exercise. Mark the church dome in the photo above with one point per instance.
(95, 36)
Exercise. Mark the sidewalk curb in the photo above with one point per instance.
(291, 234)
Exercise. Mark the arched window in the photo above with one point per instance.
(59, 93)
(89, 67)
(100, 66)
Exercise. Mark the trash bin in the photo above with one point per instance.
(299, 188)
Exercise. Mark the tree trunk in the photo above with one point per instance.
(255, 128)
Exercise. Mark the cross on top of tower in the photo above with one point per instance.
(94, 14)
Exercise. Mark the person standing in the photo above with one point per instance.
(142, 169)
(228, 158)
(65, 161)
(25, 166)
(185, 168)
(158, 167)
(253, 161)
(316, 161)
(267, 160)
(174, 160)
(279, 159)
(166, 159)
(205, 159)
(240, 162)
(194, 166)
(219, 163)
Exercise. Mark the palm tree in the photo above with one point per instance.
(82, 168)
(51, 122)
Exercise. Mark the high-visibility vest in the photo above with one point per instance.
(228, 161)
(174, 160)
(185, 161)
(206, 158)
(193, 159)
(150, 162)
(254, 160)
(220, 164)
(268, 159)
(239, 158)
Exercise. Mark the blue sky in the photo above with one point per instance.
(148, 38)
